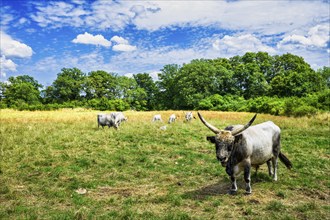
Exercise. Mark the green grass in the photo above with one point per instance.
(142, 172)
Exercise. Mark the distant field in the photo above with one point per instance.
(142, 172)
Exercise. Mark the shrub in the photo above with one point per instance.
(205, 104)
(304, 110)
(3, 105)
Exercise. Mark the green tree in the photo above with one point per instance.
(100, 84)
(145, 82)
(249, 78)
(167, 85)
(22, 90)
(69, 85)
(325, 73)
(289, 62)
(266, 65)
(295, 77)
(197, 80)
(224, 77)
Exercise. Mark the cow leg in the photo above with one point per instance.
(233, 188)
(247, 178)
(274, 162)
(269, 164)
(256, 173)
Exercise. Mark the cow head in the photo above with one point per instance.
(224, 139)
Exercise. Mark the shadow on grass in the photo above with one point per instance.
(223, 186)
(217, 189)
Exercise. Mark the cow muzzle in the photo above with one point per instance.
(222, 160)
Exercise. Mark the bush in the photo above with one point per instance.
(299, 107)
(222, 103)
(323, 99)
(3, 105)
(205, 104)
(119, 105)
(304, 111)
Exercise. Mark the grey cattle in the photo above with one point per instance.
(118, 118)
(189, 116)
(238, 148)
(104, 120)
(157, 118)
(172, 118)
(113, 119)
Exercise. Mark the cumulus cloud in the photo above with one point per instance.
(123, 47)
(6, 65)
(317, 36)
(122, 44)
(240, 44)
(87, 38)
(13, 48)
(119, 40)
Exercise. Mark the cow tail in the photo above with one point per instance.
(285, 160)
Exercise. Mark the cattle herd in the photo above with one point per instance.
(114, 119)
(238, 147)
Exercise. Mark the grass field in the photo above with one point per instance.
(142, 172)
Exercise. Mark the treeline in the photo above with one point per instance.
(255, 82)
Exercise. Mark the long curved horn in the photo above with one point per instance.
(211, 127)
(235, 132)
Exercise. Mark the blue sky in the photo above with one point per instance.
(39, 38)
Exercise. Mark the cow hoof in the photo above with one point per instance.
(232, 192)
(248, 192)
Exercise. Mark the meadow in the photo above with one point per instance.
(60, 165)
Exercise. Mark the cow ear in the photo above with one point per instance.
(238, 138)
(211, 139)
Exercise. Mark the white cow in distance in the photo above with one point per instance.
(189, 116)
(157, 118)
(172, 118)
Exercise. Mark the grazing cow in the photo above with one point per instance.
(118, 118)
(157, 118)
(189, 116)
(113, 119)
(240, 147)
(172, 118)
(104, 120)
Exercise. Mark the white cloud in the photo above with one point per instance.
(122, 44)
(59, 14)
(11, 48)
(154, 75)
(6, 65)
(119, 40)
(6, 16)
(123, 47)
(255, 16)
(240, 44)
(87, 38)
(22, 21)
(14, 48)
(153, 59)
(317, 36)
